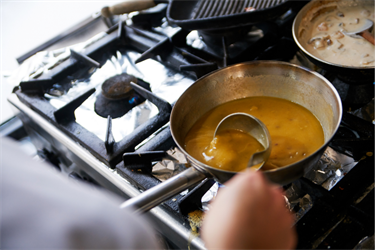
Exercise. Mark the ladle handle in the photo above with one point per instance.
(164, 191)
(368, 36)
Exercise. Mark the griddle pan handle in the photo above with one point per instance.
(127, 7)
(164, 191)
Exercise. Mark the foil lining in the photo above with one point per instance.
(167, 168)
(366, 112)
(164, 82)
(305, 204)
(330, 169)
(210, 195)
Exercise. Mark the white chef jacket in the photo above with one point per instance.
(42, 209)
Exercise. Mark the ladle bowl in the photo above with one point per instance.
(363, 32)
(255, 128)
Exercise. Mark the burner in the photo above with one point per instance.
(118, 87)
(117, 96)
(231, 35)
(225, 43)
(353, 96)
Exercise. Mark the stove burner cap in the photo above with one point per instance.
(117, 96)
(118, 86)
(115, 108)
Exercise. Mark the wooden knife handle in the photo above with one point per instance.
(127, 7)
(368, 36)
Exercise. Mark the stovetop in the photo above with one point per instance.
(333, 202)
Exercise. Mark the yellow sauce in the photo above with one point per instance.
(229, 148)
(295, 134)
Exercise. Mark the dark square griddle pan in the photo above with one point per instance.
(222, 14)
(208, 14)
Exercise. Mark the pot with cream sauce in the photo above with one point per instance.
(320, 30)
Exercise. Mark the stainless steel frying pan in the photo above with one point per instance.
(259, 78)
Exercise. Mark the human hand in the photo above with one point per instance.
(249, 213)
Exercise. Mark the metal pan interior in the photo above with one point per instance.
(260, 78)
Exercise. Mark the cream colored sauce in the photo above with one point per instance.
(295, 134)
(324, 35)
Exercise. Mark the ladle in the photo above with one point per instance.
(193, 175)
(363, 32)
(253, 126)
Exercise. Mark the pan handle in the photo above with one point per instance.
(165, 190)
(127, 7)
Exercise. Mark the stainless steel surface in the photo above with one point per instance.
(253, 126)
(106, 177)
(162, 192)
(259, 78)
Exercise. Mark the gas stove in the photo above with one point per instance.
(70, 109)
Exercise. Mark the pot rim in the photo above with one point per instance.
(206, 168)
(296, 40)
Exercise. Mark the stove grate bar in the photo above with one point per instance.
(84, 59)
(109, 139)
(66, 113)
(144, 130)
(193, 200)
(200, 69)
(142, 161)
(37, 86)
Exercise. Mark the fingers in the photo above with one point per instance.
(247, 213)
(286, 218)
(248, 179)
